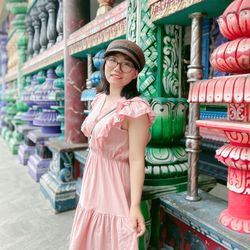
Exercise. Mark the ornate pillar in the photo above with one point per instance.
(43, 15)
(51, 29)
(193, 142)
(59, 22)
(30, 31)
(19, 10)
(234, 90)
(3, 70)
(3, 52)
(36, 24)
(76, 13)
(159, 81)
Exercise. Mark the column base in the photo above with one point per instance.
(61, 195)
(37, 166)
(14, 146)
(234, 223)
(24, 152)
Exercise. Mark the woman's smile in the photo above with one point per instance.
(116, 76)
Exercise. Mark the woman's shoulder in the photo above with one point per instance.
(135, 107)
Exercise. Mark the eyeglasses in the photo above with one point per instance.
(126, 67)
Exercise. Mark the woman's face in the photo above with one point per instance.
(119, 70)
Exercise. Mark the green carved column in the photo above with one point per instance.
(19, 9)
(160, 83)
(166, 159)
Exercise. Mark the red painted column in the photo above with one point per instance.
(76, 13)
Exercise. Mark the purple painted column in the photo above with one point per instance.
(3, 66)
(75, 13)
(3, 50)
(3, 54)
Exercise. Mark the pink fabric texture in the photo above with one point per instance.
(102, 216)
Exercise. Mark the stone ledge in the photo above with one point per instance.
(48, 58)
(62, 146)
(203, 216)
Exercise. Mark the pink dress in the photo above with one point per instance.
(102, 216)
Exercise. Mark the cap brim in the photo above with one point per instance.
(123, 52)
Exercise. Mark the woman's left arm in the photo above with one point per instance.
(138, 138)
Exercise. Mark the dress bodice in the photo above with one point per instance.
(104, 129)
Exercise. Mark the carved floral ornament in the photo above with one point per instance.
(237, 112)
(221, 90)
(235, 21)
(234, 24)
(163, 8)
(233, 56)
(236, 157)
(105, 35)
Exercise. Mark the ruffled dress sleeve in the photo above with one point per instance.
(134, 108)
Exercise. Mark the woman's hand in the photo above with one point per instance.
(137, 220)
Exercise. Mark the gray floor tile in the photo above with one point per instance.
(27, 221)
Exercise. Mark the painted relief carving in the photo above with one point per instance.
(234, 223)
(238, 181)
(170, 120)
(170, 79)
(131, 20)
(163, 8)
(238, 137)
(236, 111)
(148, 44)
(100, 30)
(235, 21)
(103, 36)
(162, 158)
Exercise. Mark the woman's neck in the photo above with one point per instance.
(114, 93)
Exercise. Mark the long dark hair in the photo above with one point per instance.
(129, 91)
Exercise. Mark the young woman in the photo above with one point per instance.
(108, 215)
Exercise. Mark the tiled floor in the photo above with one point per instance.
(27, 222)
